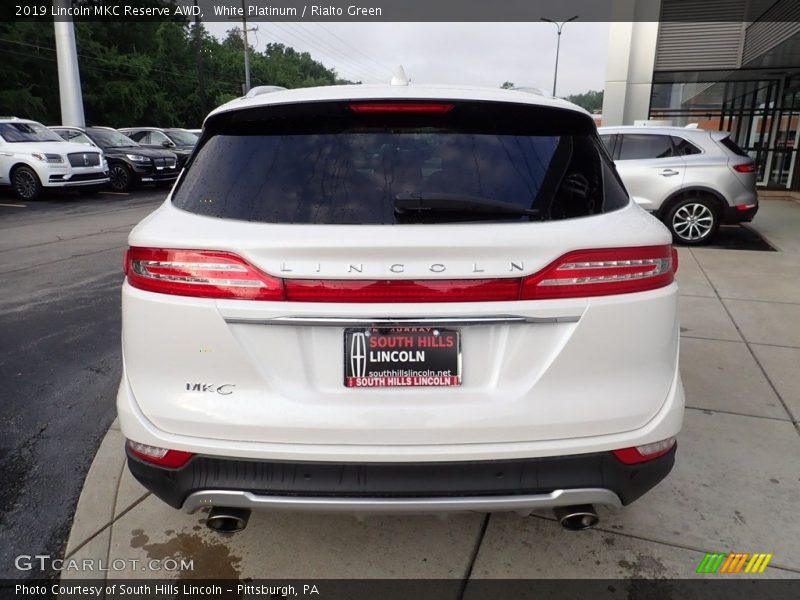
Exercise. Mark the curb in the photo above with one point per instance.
(106, 496)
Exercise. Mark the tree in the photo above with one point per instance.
(141, 73)
(591, 100)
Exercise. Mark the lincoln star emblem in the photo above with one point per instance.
(358, 355)
(86, 160)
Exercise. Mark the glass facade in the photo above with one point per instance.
(762, 115)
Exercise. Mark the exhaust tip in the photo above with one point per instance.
(227, 520)
(577, 518)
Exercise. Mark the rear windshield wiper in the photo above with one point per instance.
(432, 202)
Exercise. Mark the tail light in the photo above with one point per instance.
(162, 457)
(602, 272)
(640, 454)
(579, 274)
(400, 107)
(403, 290)
(199, 273)
(745, 168)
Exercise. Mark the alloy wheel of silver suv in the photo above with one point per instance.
(693, 221)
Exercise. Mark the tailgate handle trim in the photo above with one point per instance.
(321, 321)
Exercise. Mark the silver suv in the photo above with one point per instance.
(691, 179)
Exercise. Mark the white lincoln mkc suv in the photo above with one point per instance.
(399, 298)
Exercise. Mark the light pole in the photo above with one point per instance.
(559, 26)
(246, 45)
(69, 77)
(246, 49)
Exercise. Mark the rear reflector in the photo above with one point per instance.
(640, 454)
(745, 168)
(163, 457)
(745, 207)
(579, 274)
(400, 107)
(200, 273)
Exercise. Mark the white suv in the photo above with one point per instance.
(33, 158)
(399, 298)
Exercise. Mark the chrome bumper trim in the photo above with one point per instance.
(321, 321)
(68, 183)
(240, 499)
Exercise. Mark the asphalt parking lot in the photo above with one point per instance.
(60, 271)
(735, 487)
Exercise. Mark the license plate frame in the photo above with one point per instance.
(439, 365)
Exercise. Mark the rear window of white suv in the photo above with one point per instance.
(388, 162)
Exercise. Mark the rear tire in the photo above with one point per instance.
(26, 183)
(120, 178)
(693, 221)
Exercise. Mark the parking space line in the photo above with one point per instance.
(14, 205)
(116, 193)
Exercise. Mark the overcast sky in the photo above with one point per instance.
(451, 53)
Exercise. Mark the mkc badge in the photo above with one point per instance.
(358, 355)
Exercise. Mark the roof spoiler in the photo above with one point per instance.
(264, 89)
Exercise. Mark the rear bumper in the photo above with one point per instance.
(136, 426)
(595, 478)
(734, 215)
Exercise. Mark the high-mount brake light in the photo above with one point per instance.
(400, 107)
(578, 274)
(200, 273)
(163, 457)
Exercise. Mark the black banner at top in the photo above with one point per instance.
(370, 11)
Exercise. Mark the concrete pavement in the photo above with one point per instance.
(735, 487)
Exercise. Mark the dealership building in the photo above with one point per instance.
(675, 61)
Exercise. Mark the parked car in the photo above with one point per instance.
(179, 141)
(400, 298)
(692, 179)
(33, 158)
(129, 164)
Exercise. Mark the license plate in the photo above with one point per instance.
(402, 357)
